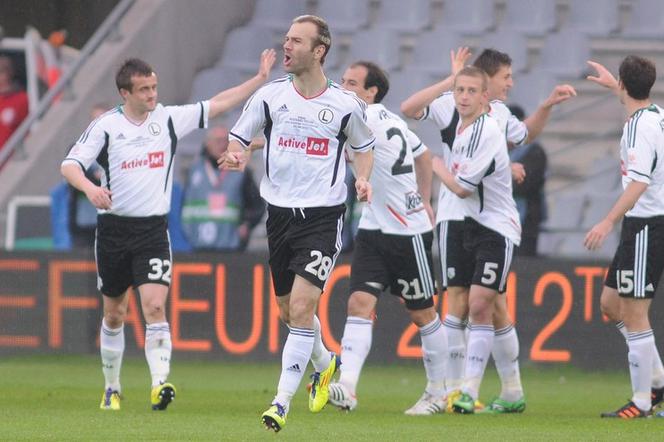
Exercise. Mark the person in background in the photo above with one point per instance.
(13, 100)
(529, 193)
(220, 207)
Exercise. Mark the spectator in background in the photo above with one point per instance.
(529, 194)
(13, 100)
(220, 207)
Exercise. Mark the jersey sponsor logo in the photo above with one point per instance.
(154, 160)
(317, 146)
(154, 129)
(326, 116)
(413, 202)
(309, 145)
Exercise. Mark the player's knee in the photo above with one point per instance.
(361, 305)
(481, 311)
(154, 310)
(115, 318)
(609, 309)
(301, 311)
(422, 317)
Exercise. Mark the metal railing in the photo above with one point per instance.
(108, 27)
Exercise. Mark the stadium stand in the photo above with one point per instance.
(533, 18)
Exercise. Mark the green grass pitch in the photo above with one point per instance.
(57, 398)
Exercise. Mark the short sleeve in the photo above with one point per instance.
(440, 111)
(480, 156)
(641, 154)
(360, 136)
(517, 132)
(252, 120)
(416, 145)
(189, 117)
(89, 145)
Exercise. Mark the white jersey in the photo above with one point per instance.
(396, 206)
(137, 159)
(442, 111)
(642, 159)
(304, 139)
(481, 165)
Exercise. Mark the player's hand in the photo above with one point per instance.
(231, 161)
(604, 77)
(596, 236)
(560, 93)
(268, 56)
(100, 197)
(363, 190)
(518, 173)
(459, 58)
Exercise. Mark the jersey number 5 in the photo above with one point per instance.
(398, 168)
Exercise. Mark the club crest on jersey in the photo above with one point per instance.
(154, 129)
(451, 272)
(325, 116)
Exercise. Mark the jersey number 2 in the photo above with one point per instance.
(398, 167)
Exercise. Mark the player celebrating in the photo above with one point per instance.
(135, 145)
(481, 176)
(632, 279)
(430, 104)
(393, 246)
(306, 120)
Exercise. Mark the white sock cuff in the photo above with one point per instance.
(306, 333)
(504, 331)
(431, 327)
(481, 328)
(110, 331)
(356, 320)
(642, 337)
(452, 321)
(157, 330)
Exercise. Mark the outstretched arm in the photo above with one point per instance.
(230, 98)
(536, 122)
(413, 106)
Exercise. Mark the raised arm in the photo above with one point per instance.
(230, 98)
(413, 106)
(536, 122)
(604, 78)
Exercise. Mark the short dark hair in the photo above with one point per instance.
(638, 75)
(130, 68)
(517, 111)
(324, 37)
(474, 71)
(491, 60)
(375, 77)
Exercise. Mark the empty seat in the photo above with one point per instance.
(407, 18)
(431, 51)
(599, 18)
(344, 15)
(530, 17)
(565, 212)
(278, 14)
(599, 205)
(402, 85)
(377, 45)
(646, 20)
(565, 54)
(510, 42)
(243, 47)
(468, 17)
(209, 82)
(531, 89)
(604, 175)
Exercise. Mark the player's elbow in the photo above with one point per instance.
(408, 110)
(462, 193)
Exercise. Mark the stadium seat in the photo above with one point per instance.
(565, 54)
(210, 81)
(604, 174)
(377, 45)
(468, 17)
(403, 84)
(394, 16)
(599, 204)
(531, 89)
(565, 211)
(534, 18)
(511, 42)
(243, 47)
(278, 14)
(432, 48)
(345, 16)
(646, 20)
(599, 18)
